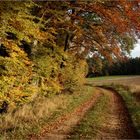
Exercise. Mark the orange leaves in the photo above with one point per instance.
(117, 14)
(16, 24)
(118, 19)
(13, 49)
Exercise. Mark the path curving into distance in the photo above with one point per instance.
(116, 125)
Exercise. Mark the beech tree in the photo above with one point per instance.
(44, 44)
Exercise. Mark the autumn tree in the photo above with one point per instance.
(44, 43)
(108, 27)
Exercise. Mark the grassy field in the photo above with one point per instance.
(106, 80)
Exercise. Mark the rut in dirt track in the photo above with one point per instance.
(62, 126)
(118, 124)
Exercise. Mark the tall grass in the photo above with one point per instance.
(24, 118)
(30, 118)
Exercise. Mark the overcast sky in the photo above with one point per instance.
(136, 51)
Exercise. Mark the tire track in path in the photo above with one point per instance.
(117, 124)
(63, 125)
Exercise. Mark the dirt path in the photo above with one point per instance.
(63, 125)
(117, 124)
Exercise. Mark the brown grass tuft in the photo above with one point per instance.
(135, 90)
(30, 114)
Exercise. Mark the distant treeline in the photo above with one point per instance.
(127, 66)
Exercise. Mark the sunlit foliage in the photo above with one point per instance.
(43, 45)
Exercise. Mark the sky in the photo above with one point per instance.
(136, 51)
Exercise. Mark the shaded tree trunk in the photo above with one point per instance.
(66, 42)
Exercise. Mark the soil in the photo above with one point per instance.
(118, 124)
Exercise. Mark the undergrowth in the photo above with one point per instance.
(30, 118)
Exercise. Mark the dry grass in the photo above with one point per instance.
(30, 114)
(132, 83)
(30, 118)
(135, 90)
(122, 80)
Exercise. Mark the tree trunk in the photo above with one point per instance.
(66, 42)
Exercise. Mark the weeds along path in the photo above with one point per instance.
(64, 124)
(117, 124)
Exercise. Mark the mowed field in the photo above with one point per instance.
(121, 80)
